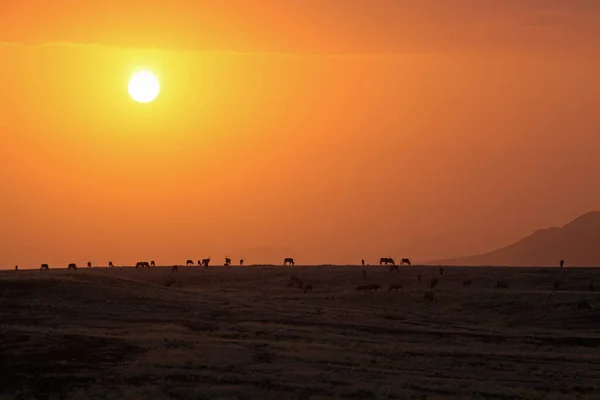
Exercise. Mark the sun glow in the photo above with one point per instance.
(144, 87)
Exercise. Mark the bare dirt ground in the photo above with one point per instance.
(241, 333)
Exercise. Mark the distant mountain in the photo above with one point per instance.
(578, 243)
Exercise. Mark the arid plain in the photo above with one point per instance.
(242, 333)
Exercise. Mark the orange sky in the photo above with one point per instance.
(326, 130)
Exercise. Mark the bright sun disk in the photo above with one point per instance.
(144, 87)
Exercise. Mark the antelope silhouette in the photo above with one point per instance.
(562, 263)
(72, 266)
(405, 261)
(363, 262)
(227, 261)
(89, 264)
(16, 267)
(44, 267)
(205, 262)
(241, 261)
(189, 262)
(288, 260)
(395, 286)
(386, 261)
(110, 264)
(501, 285)
(152, 263)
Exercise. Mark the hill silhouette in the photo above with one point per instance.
(578, 243)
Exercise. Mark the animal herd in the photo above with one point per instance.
(206, 261)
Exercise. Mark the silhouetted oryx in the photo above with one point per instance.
(434, 283)
(16, 267)
(467, 283)
(89, 264)
(368, 288)
(562, 263)
(110, 264)
(307, 288)
(583, 305)
(44, 267)
(395, 286)
(394, 268)
(241, 261)
(152, 263)
(386, 261)
(501, 285)
(363, 262)
(227, 262)
(405, 261)
(288, 260)
(189, 262)
(429, 297)
(72, 266)
(142, 264)
(295, 281)
(174, 268)
(169, 282)
(205, 262)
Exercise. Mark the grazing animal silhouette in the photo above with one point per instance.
(386, 261)
(562, 263)
(405, 261)
(89, 264)
(395, 286)
(501, 285)
(44, 267)
(434, 283)
(556, 285)
(110, 264)
(205, 262)
(394, 268)
(584, 305)
(368, 288)
(152, 263)
(227, 262)
(467, 283)
(16, 267)
(142, 264)
(72, 266)
(288, 260)
(295, 281)
(307, 288)
(364, 272)
(174, 268)
(170, 281)
(363, 262)
(189, 262)
(429, 297)
(441, 271)
(241, 261)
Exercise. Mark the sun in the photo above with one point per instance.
(144, 87)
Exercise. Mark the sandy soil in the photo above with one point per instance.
(241, 333)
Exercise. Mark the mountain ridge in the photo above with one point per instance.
(577, 242)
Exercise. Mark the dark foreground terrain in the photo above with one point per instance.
(241, 333)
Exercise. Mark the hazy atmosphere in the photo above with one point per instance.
(328, 130)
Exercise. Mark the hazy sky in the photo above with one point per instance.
(326, 130)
